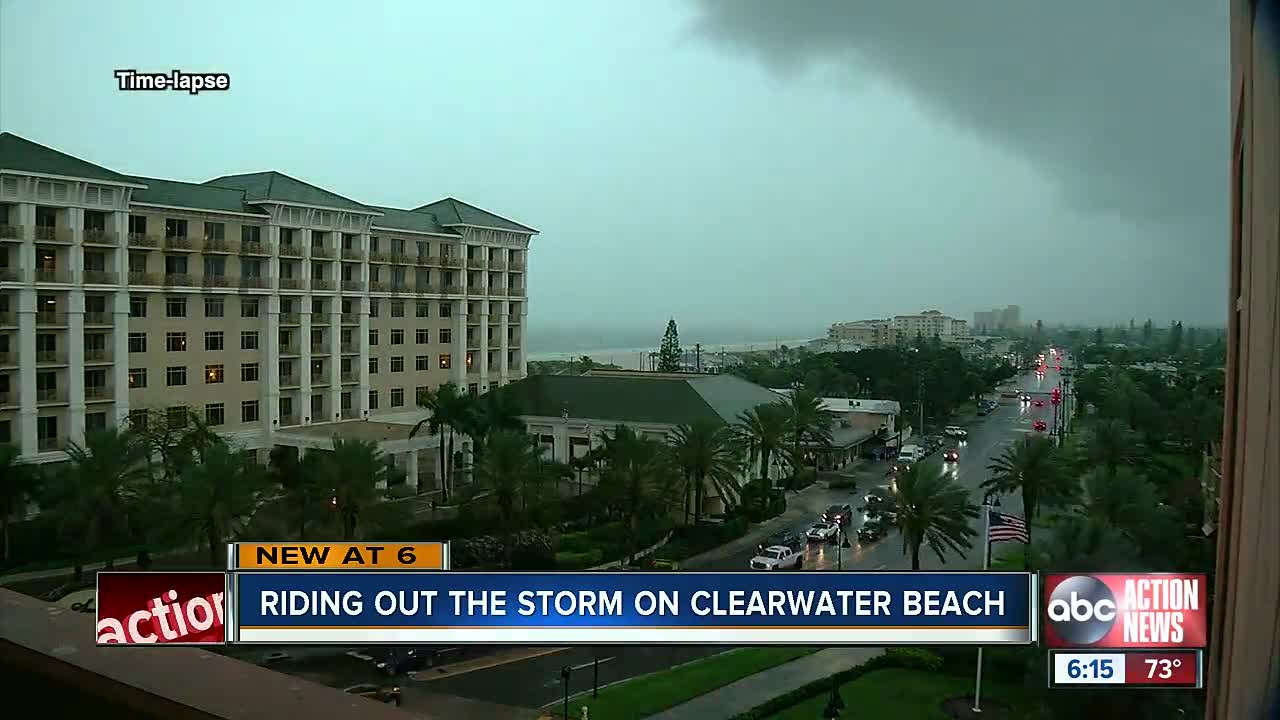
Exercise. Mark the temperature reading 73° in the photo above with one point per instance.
(1162, 667)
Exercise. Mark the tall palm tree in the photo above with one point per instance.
(1110, 444)
(218, 494)
(451, 409)
(358, 472)
(706, 454)
(807, 421)
(763, 431)
(931, 509)
(1030, 468)
(488, 413)
(1080, 543)
(18, 485)
(304, 493)
(509, 469)
(1119, 497)
(637, 473)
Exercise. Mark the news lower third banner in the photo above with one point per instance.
(751, 608)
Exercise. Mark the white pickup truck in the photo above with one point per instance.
(778, 557)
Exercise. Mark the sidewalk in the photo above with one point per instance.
(741, 696)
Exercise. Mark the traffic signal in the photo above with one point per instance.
(1056, 396)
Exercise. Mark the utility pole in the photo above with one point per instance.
(697, 355)
(920, 402)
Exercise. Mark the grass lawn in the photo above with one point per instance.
(904, 695)
(644, 696)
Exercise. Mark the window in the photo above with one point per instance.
(397, 364)
(446, 361)
(175, 265)
(446, 310)
(397, 308)
(420, 391)
(446, 336)
(213, 374)
(249, 372)
(344, 401)
(175, 376)
(250, 233)
(397, 337)
(137, 378)
(214, 414)
(213, 307)
(397, 397)
(174, 228)
(175, 341)
(248, 339)
(473, 389)
(175, 307)
(373, 308)
(493, 385)
(138, 419)
(137, 225)
(248, 307)
(213, 340)
(373, 399)
(137, 342)
(47, 428)
(373, 366)
(249, 411)
(215, 231)
(138, 306)
(373, 336)
(423, 309)
(422, 336)
(421, 363)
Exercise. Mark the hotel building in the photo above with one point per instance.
(259, 301)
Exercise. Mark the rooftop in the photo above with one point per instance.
(452, 212)
(273, 186)
(841, 405)
(22, 155)
(192, 195)
(412, 220)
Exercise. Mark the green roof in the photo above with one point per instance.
(398, 219)
(633, 397)
(17, 153)
(450, 211)
(272, 186)
(192, 195)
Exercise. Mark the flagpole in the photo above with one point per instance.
(986, 565)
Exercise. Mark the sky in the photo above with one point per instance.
(753, 169)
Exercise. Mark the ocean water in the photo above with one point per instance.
(632, 358)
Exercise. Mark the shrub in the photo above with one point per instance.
(532, 550)
(578, 560)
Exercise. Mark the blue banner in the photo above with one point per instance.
(736, 607)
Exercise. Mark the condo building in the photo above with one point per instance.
(259, 301)
(900, 328)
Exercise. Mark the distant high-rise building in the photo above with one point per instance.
(873, 333)
(992, 320)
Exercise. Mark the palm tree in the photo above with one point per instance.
(1030, 468)
(1120, 497)
(1080, 543)
(451, 409)
(304, 493)
(18, 484)
(637, 474)
(807, 420)
(488, 413)
(510, 470)
(218, 494)
(1110, 444)
(930, 508)
(706, 454)
(358, 473)
(763, 431)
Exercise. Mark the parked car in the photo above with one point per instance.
(871, 532)
(1038, 403)
(823, 532)
(956, 431)
(1039, 426)
(386, 694)
(778, 557)
(786, 538)
(952, 455)
(839, 514)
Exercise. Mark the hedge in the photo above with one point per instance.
(566, 560)
(843, 484)
(906, 658)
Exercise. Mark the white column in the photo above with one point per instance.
(118, 223)
(504, 371)
(335, 357)
(27, 412)
(524, 337)
(560, 443)
(269, 351)
(411, 469)
(304, 329)
(75, 369)
(362, 307)
(483, 360)
(458, 372)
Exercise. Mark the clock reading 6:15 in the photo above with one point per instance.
(1101, 668)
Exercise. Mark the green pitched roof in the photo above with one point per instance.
(272, 186)
(450, 211)
(398, 219)
(632, 397)
(192, 195)
(18, 153)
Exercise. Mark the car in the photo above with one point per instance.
(1039, 426)
(1038, 403)
(984, 410)
(1026, 398)
(952, 455)
(839, 514)
(786, 538)
(956, 431)
(871, 532)
(823, 532)
(778, 557)
(386, 694)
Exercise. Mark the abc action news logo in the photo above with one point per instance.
(1113, 610)
(144, 608)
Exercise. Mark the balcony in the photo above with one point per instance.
(215, 281)
(379, 286)
(350, 318)
(353, 285)
(218, 245)
(97, 393)
(286, 420)
(45, 233)
(50, 395)
(355, 254)
(477, 263)
(254, 247)
(320, 348)
(513, 341)
(97, 355)
(142, 240)
(516, 292)
(10, 274)
(452, 289)
(497, 264)
(426, 288)
(143, 278)
(320, 378)
(8, 358)
(99, 277)
(290, 318)
(290, 250)
(254, 282)
(179, 242)
(399, 258)
(51, 318)
(8, 318)
(50, 357)
(52, 275)
(179, 280)
(290, 283)
(9, 398)
(400, 286)
(289, 380)
(49, 444)
(496, 290)
(10, 232)
(319, 318)
(321, 284)
(450, 261)
(516, 266)
(289, 349)
(349, 349)
(97, 317)
(426, 260)
(319, 251)
(95, 236)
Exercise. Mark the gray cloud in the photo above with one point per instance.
(1122, 101)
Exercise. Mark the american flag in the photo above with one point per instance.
(1007, 527)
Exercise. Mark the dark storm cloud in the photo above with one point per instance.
(1123, 101)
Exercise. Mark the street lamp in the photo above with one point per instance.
(565, 672)
(835, 703)
(842, 542)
